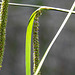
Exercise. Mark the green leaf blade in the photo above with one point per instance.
(28, 44)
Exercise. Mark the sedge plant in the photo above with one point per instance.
(32, 25)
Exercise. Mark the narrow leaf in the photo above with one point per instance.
(28, 43)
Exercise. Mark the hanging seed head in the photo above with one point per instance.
(36, 42)
(3, 21)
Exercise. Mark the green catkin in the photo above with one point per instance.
(36, 42)
(3, 21)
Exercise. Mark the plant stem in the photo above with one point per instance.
(3, 21)
(38, 6)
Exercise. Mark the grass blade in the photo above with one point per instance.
(28, 43)
(28, 47)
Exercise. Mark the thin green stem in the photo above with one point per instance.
(38, 6)
(3, 21)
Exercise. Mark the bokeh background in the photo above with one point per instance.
(61, 58)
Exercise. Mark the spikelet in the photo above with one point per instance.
(36, 42)
(3, 21)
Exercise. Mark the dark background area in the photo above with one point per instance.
(61, 58)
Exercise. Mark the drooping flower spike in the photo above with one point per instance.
(3, 21)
